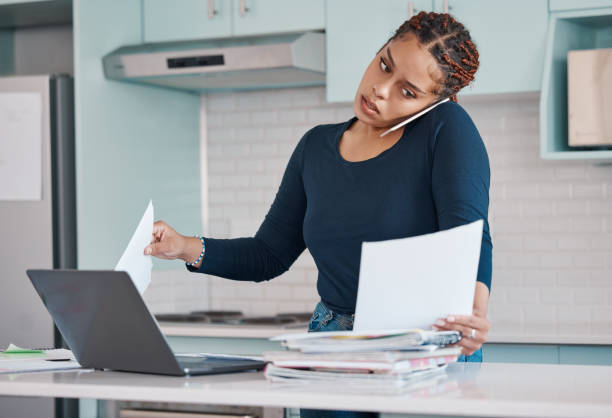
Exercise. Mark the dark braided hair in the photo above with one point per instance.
(450, 44)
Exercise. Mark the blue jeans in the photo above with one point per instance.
(324, 319)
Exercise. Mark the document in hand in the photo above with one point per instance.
(133, 260)
(411, 282)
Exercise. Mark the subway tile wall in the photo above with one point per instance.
(551, 221)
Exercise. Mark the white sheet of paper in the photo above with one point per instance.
(20, 146)
(411, 282)
(134, 261)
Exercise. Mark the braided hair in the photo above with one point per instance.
(449, 43)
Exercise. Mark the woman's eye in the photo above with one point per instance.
(408, 93)
(383, 65)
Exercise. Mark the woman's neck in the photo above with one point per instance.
(372, 133)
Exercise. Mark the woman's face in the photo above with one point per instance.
(399, 82)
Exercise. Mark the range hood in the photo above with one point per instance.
(247, 63)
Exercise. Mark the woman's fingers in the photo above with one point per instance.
(466, 332)
(470, 321)
(472, 340)
(468, 345)
(157, 249)
(164, 242)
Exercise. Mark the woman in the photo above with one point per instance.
(344, 184)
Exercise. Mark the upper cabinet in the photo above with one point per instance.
(254, 17)
(511, 40)
(24, 13)
(511, 57)
(356, 30)
(569, 30)
(557, 5)
(168, 20)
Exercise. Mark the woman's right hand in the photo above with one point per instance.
(166, 243)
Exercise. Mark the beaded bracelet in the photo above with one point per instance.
(201, 254)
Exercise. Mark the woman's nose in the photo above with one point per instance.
(380, 90)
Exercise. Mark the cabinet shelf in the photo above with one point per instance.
(571, 30)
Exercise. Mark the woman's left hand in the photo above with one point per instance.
(471, 340)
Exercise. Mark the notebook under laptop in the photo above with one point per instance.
(106, 323)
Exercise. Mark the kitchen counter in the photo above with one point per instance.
(181, 329)
(484, 390)
(178, 329)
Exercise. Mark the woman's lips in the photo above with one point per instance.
(368, 107)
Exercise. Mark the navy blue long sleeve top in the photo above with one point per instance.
(435, 177)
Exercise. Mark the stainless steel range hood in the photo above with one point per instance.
(223, 64)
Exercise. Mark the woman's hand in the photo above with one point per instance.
(166, 242)
(465, 324)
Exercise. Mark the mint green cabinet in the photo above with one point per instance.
(557, 5)
(356, 30)
(166, 20)
(510, 37)
(547, 353)
(567, 31)
(275, 16)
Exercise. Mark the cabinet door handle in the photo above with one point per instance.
(211, 9)
(410, 9)
(445, 6)
(243, 8)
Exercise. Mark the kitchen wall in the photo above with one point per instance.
(133, 143)
(551, 221)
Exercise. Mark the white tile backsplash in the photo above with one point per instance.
(551, 221)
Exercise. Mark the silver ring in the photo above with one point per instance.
(473, 333)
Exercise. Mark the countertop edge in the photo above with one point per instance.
(236, 331)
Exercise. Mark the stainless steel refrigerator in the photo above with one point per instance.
(37, 214)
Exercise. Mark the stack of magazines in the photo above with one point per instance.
(393, 357)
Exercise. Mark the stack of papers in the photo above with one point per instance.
(394, 357)
(20, 360)
(364, 341)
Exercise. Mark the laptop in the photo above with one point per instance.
(107, 325)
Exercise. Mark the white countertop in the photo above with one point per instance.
(177, 329)
(473, 389)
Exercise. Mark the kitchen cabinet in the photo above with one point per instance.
(511, 58)
(568, 30)
(510, 37)
(548, 354)
(3, 2)
(356, 30)
(557, 5)
(253, 17)
(166, 20)
(24, 13)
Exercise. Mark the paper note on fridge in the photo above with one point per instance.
(20, 146)
(412, 282)
(133, 260)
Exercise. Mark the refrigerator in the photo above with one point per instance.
(37, 215)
